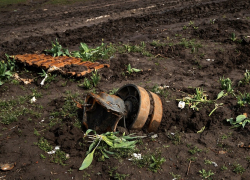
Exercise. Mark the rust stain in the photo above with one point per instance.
(46, 61)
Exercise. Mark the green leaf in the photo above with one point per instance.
(1, 83)
(84, 47)
(92, 146)
(87, 161)
(220, 95)
(240, 118)
(231, 121)
(90, 130)
(129, 68)
(126, 144)
(105, 155)
(136, 70)
(8, 73)
(107, 140)
(109, 152)
(130, 137)
(245, 122)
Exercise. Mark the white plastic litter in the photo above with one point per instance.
(54, 151)
(135, 156)
(181, 104)
(42, 83)
(210, 59)
(154, 136)
(33, 100)
(215, 164)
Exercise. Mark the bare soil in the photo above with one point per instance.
(31, 27)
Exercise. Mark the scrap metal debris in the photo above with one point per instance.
(132, 107)
(25, 81)
(242, 145)
(7, 167)
(33, 100)
(60, 63)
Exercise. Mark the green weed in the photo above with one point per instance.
(238, 169)
(246, 79)
(113, 91)
(206, 175)
(161, 90)
(42, 156)
(194, 150)
(115, 175)
(57, 50)
(241, 121)
(194, 100)
(130, 70)
(111, 140)
(11, 110)
(157, 43)
(95, 78)
(86, 84)
(226, 84)
(175, 176)
(190, 44)
(224, 168)
(233, 37)
(175, 138)
(206, 161)
(92, 54)
(36, 132)
(156, 162)
(5, 72)
(243, 99)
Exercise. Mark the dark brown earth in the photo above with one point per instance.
(31, 27)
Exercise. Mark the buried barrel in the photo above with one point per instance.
(131, 107)
(144, 108)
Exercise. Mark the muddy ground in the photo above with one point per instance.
(166, 27)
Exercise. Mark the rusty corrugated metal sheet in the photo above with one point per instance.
(46, 61)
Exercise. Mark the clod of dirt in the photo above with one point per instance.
(7, 167)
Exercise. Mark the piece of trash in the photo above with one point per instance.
(25, 81)
(54, 68)
(67, 156)
(222, 152)
(172, 134)
(66, 65)
(42, 83)
(51, 152)
(154, 136)
(210, 59)
(7, 167)
(33, 100)
(241, 144)
(181, 104)
(215, 164)
(54, 151)
(129, 108)
(135, 156)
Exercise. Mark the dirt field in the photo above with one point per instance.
(188, 44)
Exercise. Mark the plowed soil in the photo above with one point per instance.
(206, 26)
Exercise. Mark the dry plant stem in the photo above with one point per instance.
(213, 151)
(189, 166)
